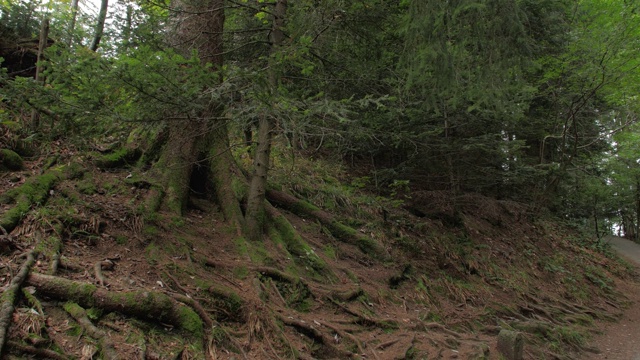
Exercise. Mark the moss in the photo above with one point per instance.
(241, 246)
(296, 246)
(87, 187)
(119, 158)
(330, 252)
(10, 160)
(74, 309)
(190, 321)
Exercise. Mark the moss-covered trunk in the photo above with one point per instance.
(258, 186)
(176, 163)
(257, 189)
(223, 169)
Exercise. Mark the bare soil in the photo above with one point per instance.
(619, 341)
(453, 281)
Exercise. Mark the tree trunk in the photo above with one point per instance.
(102, 16)
(72, 24)
(257, 189)
(42, 44)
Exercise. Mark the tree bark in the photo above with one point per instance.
(42, 44)
(102, 17)
(72, 24)
(256, 197)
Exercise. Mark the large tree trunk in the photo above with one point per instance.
(256, 197)
(199, 27)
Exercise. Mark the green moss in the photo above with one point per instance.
(121, 239)
(150, 230)
(119, 158)
(87, 187)
(241, 246)
(10, 160)
(241, 272)
(330, 252)
(152, 252)
(190, 321)
(296, 246)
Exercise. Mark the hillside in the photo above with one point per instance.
(110, 281)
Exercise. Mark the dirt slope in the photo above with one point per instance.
(452, 280)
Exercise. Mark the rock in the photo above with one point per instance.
(510, 344)
(10, 160)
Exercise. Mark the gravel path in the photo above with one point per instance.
(621, 341)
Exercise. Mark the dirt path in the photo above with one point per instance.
(621, 341)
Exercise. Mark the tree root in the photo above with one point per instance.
(97, 268)
(9, 297)
(366, 320)
(337, 229)
(141, 304)
(317, 336)
(34, 191)
(44, 353)
(79, 314)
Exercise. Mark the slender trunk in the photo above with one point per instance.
(126, 32)
(72, 25)
(44, 36)
(102, 17)
(257, 189)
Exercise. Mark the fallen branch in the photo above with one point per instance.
(141, 304)
(9, 297)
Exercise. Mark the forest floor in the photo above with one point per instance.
(451, 282)
(619, 341)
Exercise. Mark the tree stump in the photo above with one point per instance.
(510, 344)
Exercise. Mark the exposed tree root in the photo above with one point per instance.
(308, 330)
(42, 353)
(141, 304)
(9, 297)
(79, 314)
(337, 229)
(97, 269)
(366, 320)
(33, 191)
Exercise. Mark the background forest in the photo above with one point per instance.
(529, 100)
(363, 116)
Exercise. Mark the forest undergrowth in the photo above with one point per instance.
(87, 272)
